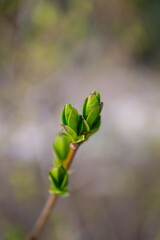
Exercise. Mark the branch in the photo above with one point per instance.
(50, 203)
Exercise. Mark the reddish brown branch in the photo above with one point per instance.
(50, 203)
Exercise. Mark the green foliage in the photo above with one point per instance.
(76, 129)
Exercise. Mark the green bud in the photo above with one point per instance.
(70, 117)
(61, 147)
(91, 101)
(94, 114)
(59, 178)
(91, 110)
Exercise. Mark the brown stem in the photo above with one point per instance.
(50, 203)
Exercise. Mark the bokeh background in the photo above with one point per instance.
(54, 52)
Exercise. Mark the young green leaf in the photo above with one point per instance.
(61, 146)
(59, 179)
(94, 114)
(91, 101)
(73, 119)
(70, 117)
(86, 127)
(69, 132)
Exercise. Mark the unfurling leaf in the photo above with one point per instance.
(91, 101)
(70, 117)
(59, 178)
(72, 135)
(94, 114)
(92, 108)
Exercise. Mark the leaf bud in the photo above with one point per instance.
(61, 147)
(70, 117)
(92, 108)
(59, 178)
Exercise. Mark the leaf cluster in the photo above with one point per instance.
(76, 129)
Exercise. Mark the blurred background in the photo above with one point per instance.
(55, 52)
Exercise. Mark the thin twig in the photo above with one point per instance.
(50, 203)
